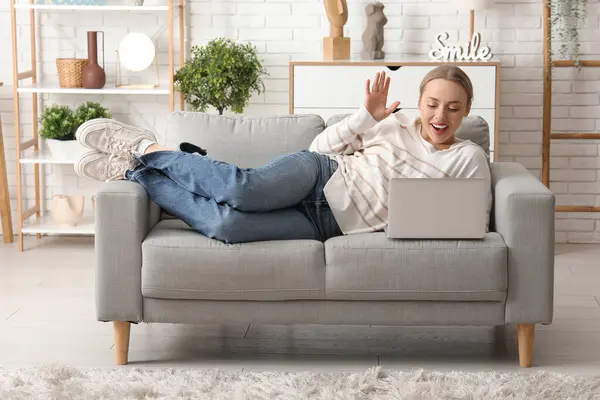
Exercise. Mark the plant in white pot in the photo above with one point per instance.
(59, 124)
(58, 131)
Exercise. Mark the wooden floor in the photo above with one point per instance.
(47, 316)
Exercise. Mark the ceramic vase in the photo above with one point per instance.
(94, 76)
(67, 210)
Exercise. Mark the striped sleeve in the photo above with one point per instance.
(344, 137)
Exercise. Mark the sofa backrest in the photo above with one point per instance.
(253, 141)
(473, 128)
(241, 140)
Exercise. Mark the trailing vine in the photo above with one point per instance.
(566, 18)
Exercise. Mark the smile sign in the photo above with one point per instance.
(469, 51)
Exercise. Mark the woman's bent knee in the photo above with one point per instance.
(222, 227)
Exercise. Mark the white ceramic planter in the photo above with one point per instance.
(65, 149)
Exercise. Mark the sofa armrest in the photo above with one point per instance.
(124, 216)
(524, 212)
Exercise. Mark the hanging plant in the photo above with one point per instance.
(566, 18)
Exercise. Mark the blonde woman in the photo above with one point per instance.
(338, 186)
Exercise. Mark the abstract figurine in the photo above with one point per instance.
(373, 34)
(335, 45)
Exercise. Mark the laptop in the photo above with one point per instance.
(437, 208)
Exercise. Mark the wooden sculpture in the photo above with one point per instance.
(336, 46)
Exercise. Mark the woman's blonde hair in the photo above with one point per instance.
(450, 73)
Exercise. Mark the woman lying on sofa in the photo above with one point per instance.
(338, 186)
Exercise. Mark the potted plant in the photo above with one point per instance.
(58, 130)
(222, 74)
(566, 17)
(59, 124)
(89, 110)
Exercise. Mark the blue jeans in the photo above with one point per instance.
(282, 200)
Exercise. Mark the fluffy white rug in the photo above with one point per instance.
(55, 382)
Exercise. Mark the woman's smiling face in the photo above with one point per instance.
(443, 105)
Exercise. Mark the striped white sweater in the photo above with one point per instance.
(369, 153)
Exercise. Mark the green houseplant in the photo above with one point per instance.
(223, 74)
(57, 123)
(89, 110)
(566, 18)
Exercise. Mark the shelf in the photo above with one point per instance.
(47, 225)
(45, 158)
(51, 89)
(53, 7)
(105, 90)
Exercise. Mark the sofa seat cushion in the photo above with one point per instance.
(180, 263)
(372, 267)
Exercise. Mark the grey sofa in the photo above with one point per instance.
(152, 268)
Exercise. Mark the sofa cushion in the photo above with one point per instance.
(180, 263)
(473, 128)
(242, 140)
(372, 267)
(477, 130)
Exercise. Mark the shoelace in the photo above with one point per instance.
(115, 170)
(120, 148)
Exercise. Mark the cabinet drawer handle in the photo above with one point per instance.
(394, 67)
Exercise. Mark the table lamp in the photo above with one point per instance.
(472, 6)
(136, 53)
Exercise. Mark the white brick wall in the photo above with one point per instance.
(286, 29)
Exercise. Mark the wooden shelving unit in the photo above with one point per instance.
(32, 220)
(548, 135)
(54, 7)
(5, 213)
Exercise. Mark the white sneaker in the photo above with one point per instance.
(112, 137)
(102, 167)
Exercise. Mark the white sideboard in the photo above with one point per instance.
(327, 88)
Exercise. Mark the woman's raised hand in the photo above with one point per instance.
(376, 97)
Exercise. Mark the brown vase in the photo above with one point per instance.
(94, 76)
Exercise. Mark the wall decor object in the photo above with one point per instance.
(5, 213)
(67, 210)
(469, 51)
(136, 53)
(137, 3)
(372, 37)
(336, 46)
(94, 76)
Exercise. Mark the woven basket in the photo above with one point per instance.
(70, 71)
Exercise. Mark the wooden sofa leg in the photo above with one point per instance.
(526, 333)
(122, 329)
